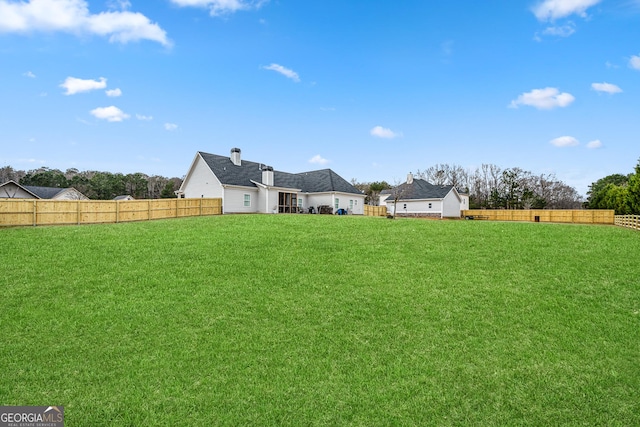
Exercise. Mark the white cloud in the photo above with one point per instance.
(284, 71)
(634, 62)
(606, 87)
(110, 114)
(543, 99)
(119, 4)
(560, 31)
(221, 7)
(170, 126)
(114, 93)
(594, 144)
(549, 10)
(318, 159)
(565, 141)
(74, 85)
(29, 74)
(73, 16)
(143, 117)
(381, 132)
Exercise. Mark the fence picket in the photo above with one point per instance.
(17, 212)
(585, 216)
(628, 221)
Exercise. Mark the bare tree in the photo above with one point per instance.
(399, 191)
(7, 173)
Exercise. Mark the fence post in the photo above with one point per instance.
(35, 213)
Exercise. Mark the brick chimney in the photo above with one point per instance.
(267, 175)
(235, 156)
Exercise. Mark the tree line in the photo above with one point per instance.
(618, 192)
(491, 187)
(96, 185)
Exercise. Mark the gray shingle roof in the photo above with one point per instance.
(44, 192)
(324, 180)
(421, 189)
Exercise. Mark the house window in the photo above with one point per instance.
(247, 200)
(337, 203)
(300, 203)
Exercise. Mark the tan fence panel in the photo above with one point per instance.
(17, 212)
(211, 207)
(98, 211)
(163, 208)
(133, 210)
(59, 212)
(189, 207)
(561, 216)
(375, 210)
(629, 221)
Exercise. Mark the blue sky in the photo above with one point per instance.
(373, 89)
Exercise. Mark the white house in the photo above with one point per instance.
(13, 190)
(418, 198)
(250, 187)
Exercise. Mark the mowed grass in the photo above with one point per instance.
(322, 320)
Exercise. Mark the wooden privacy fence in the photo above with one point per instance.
(567, 216)
(59, 212)
(375, 210)
(630, 221)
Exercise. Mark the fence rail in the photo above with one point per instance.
(586, 216)
(629, 221)
(375, 210)
(14, 212)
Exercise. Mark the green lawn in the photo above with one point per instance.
(322, 320)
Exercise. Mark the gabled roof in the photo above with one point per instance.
(19, 186)
(248, 172)
(41, 192)
(420, 189)
(44, 192)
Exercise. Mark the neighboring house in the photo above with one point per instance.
(250, 187)
(417, 197)
(13, 190)
(120, 198)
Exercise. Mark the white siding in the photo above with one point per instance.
(201, 182)
(415, 207)
(267, 200)
(451, 205)
(316, 200)
(70, 194)
(234, 200)
(464, 204)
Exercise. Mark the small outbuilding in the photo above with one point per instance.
(419, 198)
